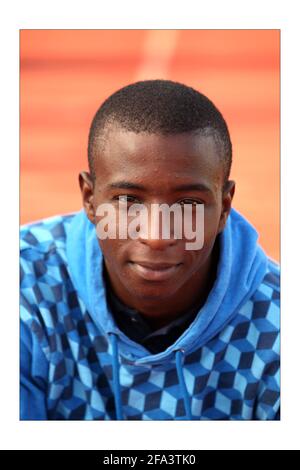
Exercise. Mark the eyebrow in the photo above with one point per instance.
(126, 185)
(184, 187)
(193, 187)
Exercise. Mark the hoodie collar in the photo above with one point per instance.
(241, 268)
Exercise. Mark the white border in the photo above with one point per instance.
(142, 435)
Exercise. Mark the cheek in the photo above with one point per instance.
(114, 252)
(109, 250)
(211, 224)
(196, 258)
(212, 215)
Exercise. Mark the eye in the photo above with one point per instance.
(126, 198)
(193, 202)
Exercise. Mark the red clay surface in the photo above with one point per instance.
(66, 74)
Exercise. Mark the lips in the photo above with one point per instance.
(155, 271)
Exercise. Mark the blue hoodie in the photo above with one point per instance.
(77, 364)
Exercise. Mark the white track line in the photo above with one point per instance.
(159, 48)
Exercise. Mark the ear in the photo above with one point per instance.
(227, 196)
(87, 192)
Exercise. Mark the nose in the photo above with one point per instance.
(158, 243)
(152, 235)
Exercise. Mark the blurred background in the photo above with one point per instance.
(67, 74)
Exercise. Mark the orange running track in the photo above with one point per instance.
(66, 74)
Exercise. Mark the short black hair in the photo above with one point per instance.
(161, 107)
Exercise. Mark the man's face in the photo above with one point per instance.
(148, 169)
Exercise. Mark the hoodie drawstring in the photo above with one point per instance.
(117, 387)
(116, 377)
(182, 384)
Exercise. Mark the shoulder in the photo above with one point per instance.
(265, 301)
(43, 263)
(269, 288)
(272, 277)
(260, 315)
(45, 234)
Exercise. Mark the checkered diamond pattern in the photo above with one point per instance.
(234, 376)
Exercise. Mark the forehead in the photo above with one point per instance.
(158, 159)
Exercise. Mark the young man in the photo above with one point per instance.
(142, 327)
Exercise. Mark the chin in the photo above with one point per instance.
(151, 289)
(151, 292)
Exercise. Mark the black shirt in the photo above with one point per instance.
(133, 325)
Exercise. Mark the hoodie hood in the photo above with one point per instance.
(241, 268)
